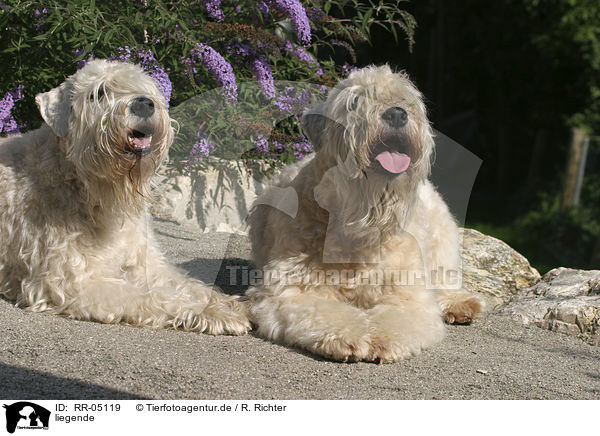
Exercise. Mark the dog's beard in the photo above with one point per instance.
(381, 202)
(367, 209)
(370, 191)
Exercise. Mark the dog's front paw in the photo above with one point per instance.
(463, 311)
(343, 349)
(384, 350)
(227, 317)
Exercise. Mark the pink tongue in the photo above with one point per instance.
(141, 143)
(393, 162)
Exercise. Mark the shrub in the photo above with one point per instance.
(550, 238)
(231, 69)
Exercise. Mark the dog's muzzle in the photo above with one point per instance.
(395, 117)
(393, 161)
(140, 138)
(139, 143)
(142, 107)
(390, 156)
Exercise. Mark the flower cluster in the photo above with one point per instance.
(201, 149)
(347, 69)
(262, 145)
(263, 9)
(289, 101)
(298, 18)
(81, 63)
(301, 149)
(8, 124)
(315, 14)
(261, 70)
(213, 7)
(217, 66)
(304, 56)
(146, 59)
(259, 67)
(39, 17)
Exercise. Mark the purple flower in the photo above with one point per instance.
(17, 93)
(347, 69)
(8, 123)
(277, 146)
(301, 149)
(262, 145)
(315, 14)
(264, 9)
(298, 18)
(217, 66)
(238, 9)
(10, 126)
(259, 67)
(81, 63)
(6, 105)
(213, 7)
(289, 101)
(263, 74)
(40, 22)
(304, 56)
(201, 149)
(146, 59)
(155, 70)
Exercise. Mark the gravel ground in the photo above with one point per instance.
(49, 357)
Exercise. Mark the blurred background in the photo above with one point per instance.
(516, 82)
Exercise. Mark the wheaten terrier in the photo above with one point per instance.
(369, 267)
(74, 233)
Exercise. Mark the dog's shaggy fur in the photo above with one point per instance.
(364, 205)
(74, 233)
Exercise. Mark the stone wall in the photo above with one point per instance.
(215, 200)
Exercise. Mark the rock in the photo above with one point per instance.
(493, 269)
(565, 283)
(565, 300)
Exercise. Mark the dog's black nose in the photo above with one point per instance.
(395, 117)
(142, 107)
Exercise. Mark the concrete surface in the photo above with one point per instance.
(48, 357)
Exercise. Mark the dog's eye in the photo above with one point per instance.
(354, 104)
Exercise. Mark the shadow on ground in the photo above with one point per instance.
(232, 276)
(20, 383)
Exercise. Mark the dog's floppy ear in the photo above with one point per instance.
(55, 107)
(313, 124)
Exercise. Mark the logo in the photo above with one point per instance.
(26, 415)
